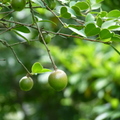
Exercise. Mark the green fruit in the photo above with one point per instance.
(26, 83)
(58, 80)
(18, 5)
(47, 39)
(52, 5)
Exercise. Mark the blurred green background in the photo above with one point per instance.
(93, 69)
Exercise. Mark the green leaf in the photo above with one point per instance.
(114, 27)
(107, 24)
(102, 14)
(91, 29)
(92, 2)
(96, 6)
(114, 14)
(64, 13)
(79, 32)
(21, 35)
(37, 68)
(99, 21)
(72, 12)
(39, 2)
(98, 1)
(105, 33)
(72, 3)
(10, 23)
(45, 70)
(82, 5)
(23, 29)
(115, 38)
(89, 17)
(47, 21)
(77, 10)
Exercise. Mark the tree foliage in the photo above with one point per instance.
(79, 36)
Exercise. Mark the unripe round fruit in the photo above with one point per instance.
(52, 5)
(58, 80)
(47, 39)
(26, 83)
(18, 5)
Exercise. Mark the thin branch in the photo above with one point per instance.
(18, 43)
(19, 23)
(14, 53)
(41, 36)
(87, 39)
(8, 14)
(8, 29)
(66, 35)
(53, 13)
(3, 59)
(34, 7)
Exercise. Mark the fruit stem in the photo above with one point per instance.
(14, 53)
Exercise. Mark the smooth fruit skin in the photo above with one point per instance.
(47, 39)
(18, 5)
(26, 83)
(58, 80)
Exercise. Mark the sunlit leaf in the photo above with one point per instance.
(114, 27)
(114, 13)
(79, 32)
(89, 17)
(96, 6)
(72, 3)
(46, 70)
(82, 5)
(109, 23)
(37, 67)
(98, 1)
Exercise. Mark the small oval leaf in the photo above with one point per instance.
(37, 68)
(82, 5)
(89, 17)
(114, 14)
(22, 29)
